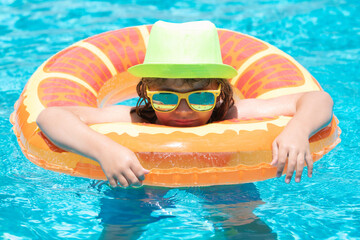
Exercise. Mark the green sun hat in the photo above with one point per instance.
(183, 50)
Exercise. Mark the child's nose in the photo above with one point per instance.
(183, 106)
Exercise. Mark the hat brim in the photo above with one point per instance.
(162, 70)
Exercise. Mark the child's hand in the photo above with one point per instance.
(292, 144)
(122, 167)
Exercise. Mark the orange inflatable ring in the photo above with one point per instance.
(93, 72)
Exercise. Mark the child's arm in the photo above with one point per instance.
(311, 111)
(67, 128)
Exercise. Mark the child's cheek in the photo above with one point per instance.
(163, 118)
(205, 117)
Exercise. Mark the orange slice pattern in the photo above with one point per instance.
(81, 63)
(124, 47)
(236, 48)
(62, 92)
(268, 73)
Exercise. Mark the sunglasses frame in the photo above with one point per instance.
(185, 96)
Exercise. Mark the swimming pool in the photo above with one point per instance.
(322, 35)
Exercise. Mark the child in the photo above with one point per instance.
(184, 84)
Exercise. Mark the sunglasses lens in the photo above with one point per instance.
(164, 101)
(202, 101)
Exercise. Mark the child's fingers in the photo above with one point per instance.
(281, 161)
(299, 166)
(132, 179)
(291, 165)
(139, 171)
(112, 182)
(122, 181)
(275, 153)
(309, 162)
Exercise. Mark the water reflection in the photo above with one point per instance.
(218, 212)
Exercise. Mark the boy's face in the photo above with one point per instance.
(183, 115)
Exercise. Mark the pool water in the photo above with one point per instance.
(323, 35)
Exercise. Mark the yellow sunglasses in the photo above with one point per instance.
(199, 101)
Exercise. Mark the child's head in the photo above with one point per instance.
(183, 58)
(199, 112)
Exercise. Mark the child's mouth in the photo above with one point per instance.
(184, 122)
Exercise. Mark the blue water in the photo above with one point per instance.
(323, 35)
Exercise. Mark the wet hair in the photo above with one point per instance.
(225, 100)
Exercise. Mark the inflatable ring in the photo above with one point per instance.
(93, 72)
